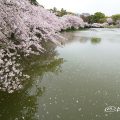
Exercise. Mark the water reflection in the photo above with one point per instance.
(78, 89)
(71, 36)
(83, 38)
(93, 36)
(23, 104)
(95, 40)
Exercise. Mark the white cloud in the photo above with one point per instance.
(109, 7)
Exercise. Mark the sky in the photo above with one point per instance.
(109, 7)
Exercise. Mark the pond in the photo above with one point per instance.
(74, 82)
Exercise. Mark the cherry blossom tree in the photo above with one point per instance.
(109, 21)
(23, 27)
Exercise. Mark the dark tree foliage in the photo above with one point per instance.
(34, 2)
(98, 17)
(59, 13)
(116, 17)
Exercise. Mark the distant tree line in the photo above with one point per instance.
(116, 18)
(61, 12)
(98, 17)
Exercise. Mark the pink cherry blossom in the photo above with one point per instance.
(22, 29)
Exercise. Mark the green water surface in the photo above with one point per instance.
(74, 82)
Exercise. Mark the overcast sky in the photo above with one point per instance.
(109, 7)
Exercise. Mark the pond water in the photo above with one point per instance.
(74, 82)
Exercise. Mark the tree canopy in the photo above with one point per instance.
(116, 17)
(98, 17)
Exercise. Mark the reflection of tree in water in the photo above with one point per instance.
(84, 39)
(95, 40)
(23, 104)
(72, 36)
(69, 35)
